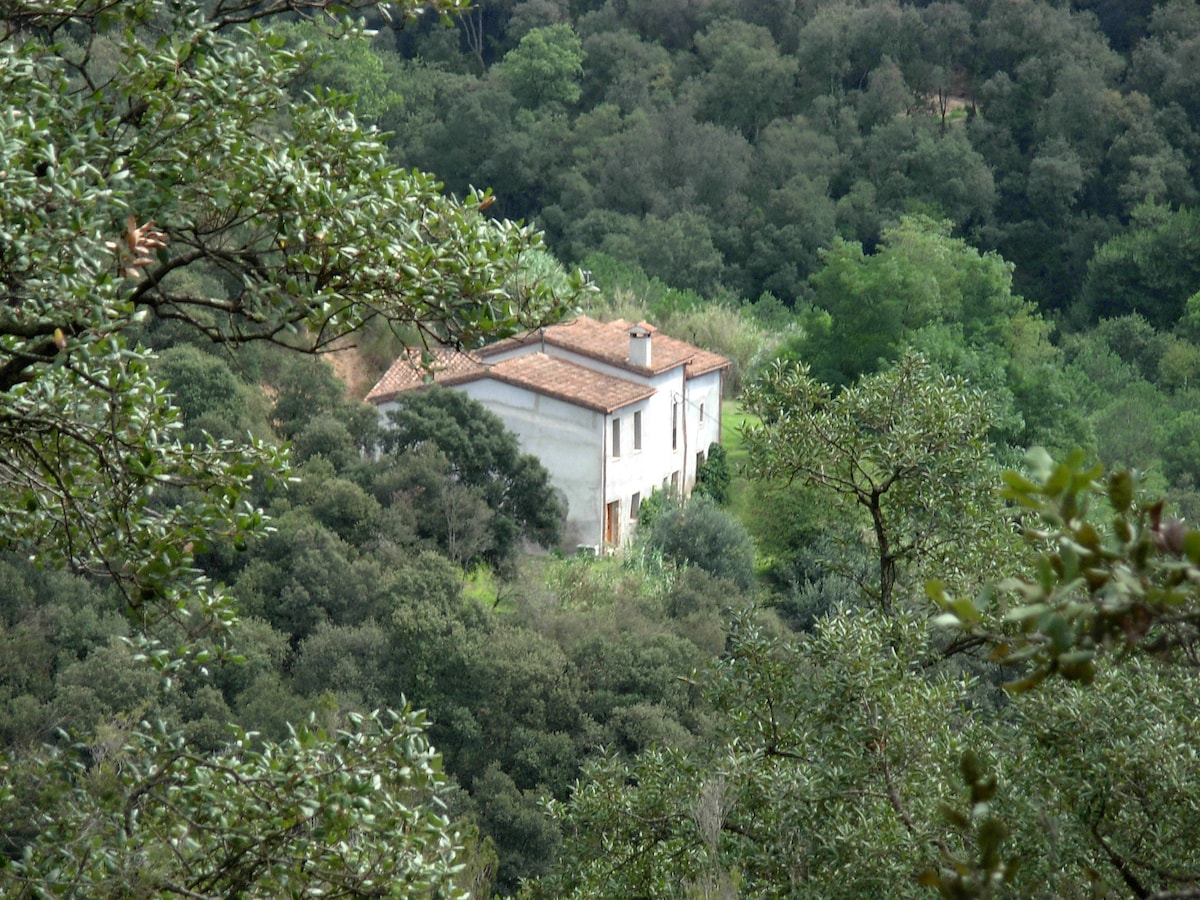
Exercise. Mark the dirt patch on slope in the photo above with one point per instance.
(354, 373)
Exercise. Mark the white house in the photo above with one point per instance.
(613, 410)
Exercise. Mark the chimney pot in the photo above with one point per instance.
(639, 346)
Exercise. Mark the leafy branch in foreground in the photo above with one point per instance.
(983, 875)
(1118, 579)
(1114, 610)
(157, 166)
(355, 814)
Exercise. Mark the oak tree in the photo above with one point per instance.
(157, 165)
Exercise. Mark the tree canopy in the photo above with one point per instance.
(158, 166)
(907, 445)
(159, 170)
(482, 461)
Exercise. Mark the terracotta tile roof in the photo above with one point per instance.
(448, 366)
(537, 372)
(609, 342)
(568, 381)
(572, 382)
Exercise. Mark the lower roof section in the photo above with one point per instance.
(546, 375)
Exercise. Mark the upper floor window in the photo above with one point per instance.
(675, 425)
(616, 437)
(637, 430)
(701, 413)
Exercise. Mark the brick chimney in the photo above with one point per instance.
(639, 346)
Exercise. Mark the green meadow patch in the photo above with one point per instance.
(733, 420)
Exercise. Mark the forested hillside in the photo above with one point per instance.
(928, 625)
(802, 161)
(722, 145)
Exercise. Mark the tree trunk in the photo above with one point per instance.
(887, 562)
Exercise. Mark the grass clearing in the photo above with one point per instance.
(480, 585)
(733, 419)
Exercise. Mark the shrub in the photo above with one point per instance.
(702, 534)
(713, 478)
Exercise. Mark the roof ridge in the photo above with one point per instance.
(605, 343)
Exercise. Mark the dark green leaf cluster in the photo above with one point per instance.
(470, 485)
(986, 875)
(354, 814)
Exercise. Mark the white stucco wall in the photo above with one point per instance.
(652, 467)
(706, 390)
(575, 444)
(566, 438)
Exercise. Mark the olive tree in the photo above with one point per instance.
(907, 446)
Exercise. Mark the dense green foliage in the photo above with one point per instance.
(483, 495)
(907, 447)
(817, 734)
(157, 170)
(838, 755)
(928, 235)
(348, 815)
(722, 145)
(702, 534)
(714, 478)
(166, 171)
